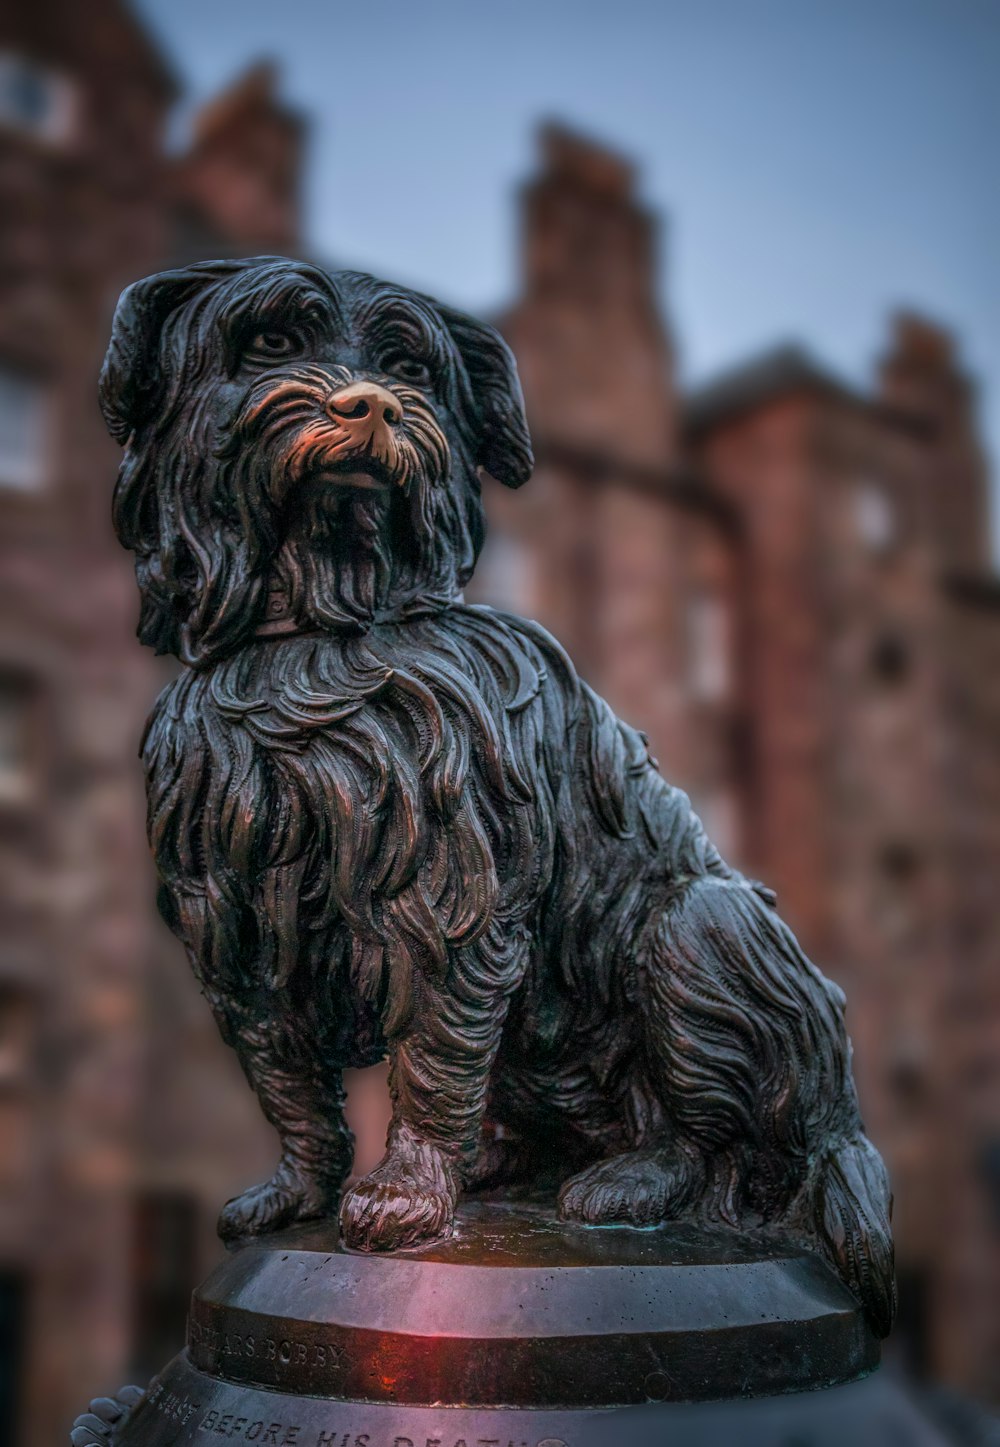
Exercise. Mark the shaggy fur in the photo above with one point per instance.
(387, 822)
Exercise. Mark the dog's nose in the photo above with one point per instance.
(363, 406)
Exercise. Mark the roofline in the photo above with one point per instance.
(157, 51)
(780, 371)
(680, 485)
(974, 590)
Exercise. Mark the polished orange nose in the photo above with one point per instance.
(366, 410)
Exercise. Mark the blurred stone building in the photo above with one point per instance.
(785, 582)
(120, 1117)
(788, 584)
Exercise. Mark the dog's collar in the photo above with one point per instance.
(280, 621)
(279, 627)
(278, 616)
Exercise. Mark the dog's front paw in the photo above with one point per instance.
(281, 1201)
(639, 1188)
(409, 1198)
(382, 1216)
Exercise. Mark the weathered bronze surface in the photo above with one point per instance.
(517, 1308)
(386, 822)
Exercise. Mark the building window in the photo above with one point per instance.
(899, 862)
(906, 1070)
(164, 1273)
(897, 893)
(890, 659)
(709, 647)
(17, 1020)
(989, 1173)
(36, 100)
(17, 707)
(23, 417)
(911, 1334)
(875, 516)
(13, 1336)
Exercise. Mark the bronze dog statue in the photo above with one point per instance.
(388, 822)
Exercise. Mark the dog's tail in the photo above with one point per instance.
(853, 1205)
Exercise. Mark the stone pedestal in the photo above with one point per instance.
(517, 1330)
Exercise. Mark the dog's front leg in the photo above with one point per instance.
(302, 1096)
(439, 1075)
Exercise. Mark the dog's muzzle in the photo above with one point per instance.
(368, 415)
(323, 426)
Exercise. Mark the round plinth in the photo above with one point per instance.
(524, 1328)
(185, 1407)
(518, 1309)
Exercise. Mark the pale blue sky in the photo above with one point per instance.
(818, 162)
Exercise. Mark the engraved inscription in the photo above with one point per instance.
(422, 1441)
(283, 1353)
(339, 1438)
(282, 1434)
(169, 1404)
(246, 1429)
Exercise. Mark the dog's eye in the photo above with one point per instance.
(272, 344)
(409, 369)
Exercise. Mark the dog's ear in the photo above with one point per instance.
(130, 377)
(504, 443)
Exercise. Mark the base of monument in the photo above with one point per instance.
(295, 1341)
(185, 1406)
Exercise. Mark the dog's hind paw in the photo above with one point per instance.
(276, 1203)
(639, 1188)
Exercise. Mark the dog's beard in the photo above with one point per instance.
(334, 564)
(347, 521)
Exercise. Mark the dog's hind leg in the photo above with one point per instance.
(746, 1042)
(303, 1098)
(736, 1021)
(739, 1028)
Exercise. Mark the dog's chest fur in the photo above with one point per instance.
(361, 809)
(352, 803)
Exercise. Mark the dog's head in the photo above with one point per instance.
(309, 438)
